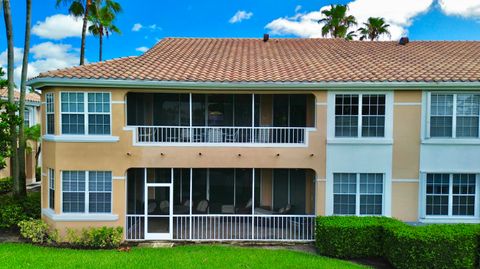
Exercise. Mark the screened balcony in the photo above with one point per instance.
(220, 118)
(220, 204)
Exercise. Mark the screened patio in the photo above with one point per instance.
(220, 118)
(220, 204)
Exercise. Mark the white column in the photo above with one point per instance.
(191, 202)
(252, 139)
(253, 203)
(190, 118)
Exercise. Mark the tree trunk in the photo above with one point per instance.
(101, 45)
(84, 32)
(23, 87)
(11, 99)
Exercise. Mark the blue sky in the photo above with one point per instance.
(55, 41)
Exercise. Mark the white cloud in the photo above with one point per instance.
(17, 56)
(399, 14)
(297, 8)
(463, 8)
(240, 16)
(141, 49)
(136, 27)
(154, 27)
(44, 57)
(58, 27)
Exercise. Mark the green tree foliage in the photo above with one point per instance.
(336, 22)
(373, 29)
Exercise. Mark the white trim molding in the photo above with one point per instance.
(118, 102)
(406, 180)
(81, 138)
(47, 212)
(119, 177)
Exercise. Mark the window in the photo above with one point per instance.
(87, 192)
(359, 115)
(78, 119)
(357, 194)
(454, 115)
(51, 188)
(26, 117)
(50, 109)
(450, 195)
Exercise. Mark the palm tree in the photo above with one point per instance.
(337, 22)
(21, 136)
(10, 69)
(79, 9)
(374, 28)
(102, 17)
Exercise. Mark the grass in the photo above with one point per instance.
(17, 255)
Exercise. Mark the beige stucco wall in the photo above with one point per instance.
(406, 154)
(118, 157)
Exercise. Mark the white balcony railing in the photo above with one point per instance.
(232, 227)
(220, 135)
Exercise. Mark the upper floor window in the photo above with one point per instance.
(357, 194)
(359, 115)
(454, 115)
(85, 113)
(87, 191)
(50, 113)
(26, 117)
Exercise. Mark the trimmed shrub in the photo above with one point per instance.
(37, 231)
(103, 237)
(13, 210)
(433, 246)
(6, 185)
(352, 237)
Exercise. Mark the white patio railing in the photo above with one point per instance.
(220, 135)
(232, 227)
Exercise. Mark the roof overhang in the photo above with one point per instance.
(152, 84)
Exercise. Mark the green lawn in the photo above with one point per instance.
(201, 256)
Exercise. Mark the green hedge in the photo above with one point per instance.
(6, 185)
(433, 246)
(352, 237)
(404, 246)
(13, 210)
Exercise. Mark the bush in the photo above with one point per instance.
(404, 246)
(6, 185)
(352, 237)
(433, 246)
(103, 237)
(37, 231)
(14, 210)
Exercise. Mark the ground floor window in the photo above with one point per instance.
(358, 194)
(450, 194)
(51, 188)
(86, 191)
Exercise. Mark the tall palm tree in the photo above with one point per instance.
(21, 136)
(102, 16)
(7, 14)
(337, 22)
(373, 29)
(79, 9)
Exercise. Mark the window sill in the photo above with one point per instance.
(447, 220)
(82, 138)
(450, 141)
(78, 216)
(366, 141)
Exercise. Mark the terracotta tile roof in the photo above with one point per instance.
(290, 60)
(30, 97)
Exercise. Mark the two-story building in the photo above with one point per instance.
(250, 139)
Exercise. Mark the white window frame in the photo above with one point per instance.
(85, 113)
(358, 194)
(87, 195)
(29, 110)
(388, 132)
(450, 216)
(51, 187)
(49, 103)
(454, 117)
